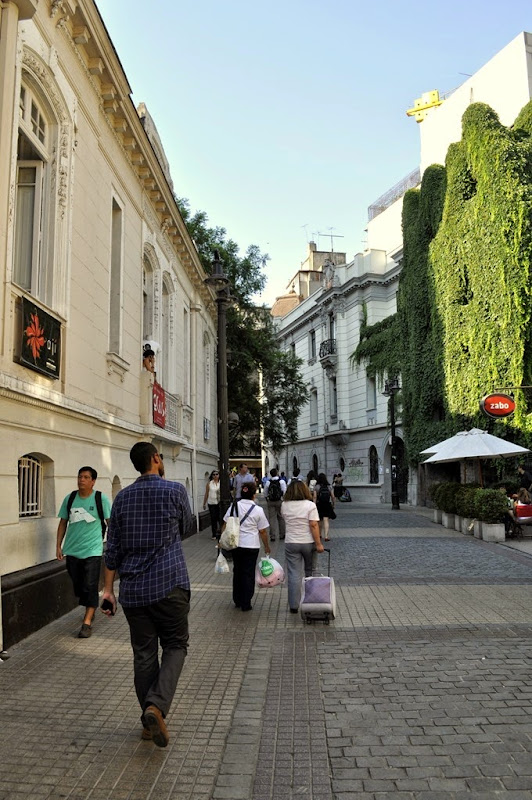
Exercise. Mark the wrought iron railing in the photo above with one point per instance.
(328, 348)
(393, 194)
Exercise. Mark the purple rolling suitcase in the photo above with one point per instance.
(318, 597)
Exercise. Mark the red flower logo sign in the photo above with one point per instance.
(34, 336)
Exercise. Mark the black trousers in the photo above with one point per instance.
(214, 511)
(165, 622)
(244, 563)
(85, 576)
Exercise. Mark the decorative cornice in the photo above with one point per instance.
(38, 396)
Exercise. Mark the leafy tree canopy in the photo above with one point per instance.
(252, 347)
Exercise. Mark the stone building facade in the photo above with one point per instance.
(95, 261)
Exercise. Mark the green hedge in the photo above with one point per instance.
(490, 505)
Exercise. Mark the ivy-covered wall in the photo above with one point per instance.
(464, 308)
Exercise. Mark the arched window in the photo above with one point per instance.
(294, 464)
(315, 463)
(342, 465)
(147, 300)
(167, 377)
(373, 465)
(30, 483)
(34, 206)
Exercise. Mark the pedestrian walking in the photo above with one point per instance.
(274, 490)
(311, 481)
(253, 530)
(302, 538)
(83, 518)
(212, 501)
(148, 520)
(338, 485)
(324, 499)
(242, 476)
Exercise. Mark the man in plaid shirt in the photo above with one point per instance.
(147, 522)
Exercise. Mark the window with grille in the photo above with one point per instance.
(29, 487)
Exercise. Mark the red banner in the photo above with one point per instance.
(159, 406)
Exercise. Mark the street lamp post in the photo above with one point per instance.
(391, 387)
(220, 282)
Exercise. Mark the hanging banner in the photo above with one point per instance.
(497, 405)
(40, 347)
(159, 405)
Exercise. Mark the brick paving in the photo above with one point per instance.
(420, 689)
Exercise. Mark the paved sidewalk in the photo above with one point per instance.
(419, 690)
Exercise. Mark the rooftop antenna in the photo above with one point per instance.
(305, 226)
(333, 236)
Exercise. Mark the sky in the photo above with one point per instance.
(285, 120)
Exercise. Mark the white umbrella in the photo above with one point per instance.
(435, 447)
(474, 444)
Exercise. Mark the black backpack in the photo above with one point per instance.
(324, 494)
(274, 490)
(99, 506)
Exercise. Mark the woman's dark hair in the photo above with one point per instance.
(322, 479)
(297, 490)
(248, 490)
(213, 473)
(311, 476)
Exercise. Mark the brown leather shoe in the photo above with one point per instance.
(146, 735)
(154, 722)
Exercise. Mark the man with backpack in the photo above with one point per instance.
(274, 490)
(83, 518)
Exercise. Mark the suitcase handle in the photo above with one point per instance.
(328, 551)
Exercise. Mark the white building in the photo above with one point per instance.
(345, 427)
(95, 259)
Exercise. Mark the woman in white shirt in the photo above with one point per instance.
(302, 537)
(212, 500)
(253, 528)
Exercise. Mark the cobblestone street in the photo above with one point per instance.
(420, 689)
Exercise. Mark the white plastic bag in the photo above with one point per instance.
(268, 572)
(231, 534)
(221, 566)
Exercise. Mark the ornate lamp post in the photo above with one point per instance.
(220, 282)
(391, 387)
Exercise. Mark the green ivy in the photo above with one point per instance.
(464, 309)
(379, 347)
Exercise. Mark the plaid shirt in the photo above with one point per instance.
(143, 540)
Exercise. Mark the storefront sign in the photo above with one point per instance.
(41, 340)
(497, 405)
(159, 406)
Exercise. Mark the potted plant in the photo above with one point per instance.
(465, 506)
(437, 512)
(446, 500)
(490, 507)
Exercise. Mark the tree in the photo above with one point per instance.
(252, 348)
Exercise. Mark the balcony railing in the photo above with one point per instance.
(328, 348)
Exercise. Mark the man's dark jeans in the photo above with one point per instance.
(167, 622)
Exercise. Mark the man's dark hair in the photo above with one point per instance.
(273, 472)
(141, 455)
(92, 471)
(296, 472)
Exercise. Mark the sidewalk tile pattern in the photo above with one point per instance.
(420, 690)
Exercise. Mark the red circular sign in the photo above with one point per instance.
(498, 405)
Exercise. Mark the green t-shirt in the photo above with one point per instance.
(84, 532)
